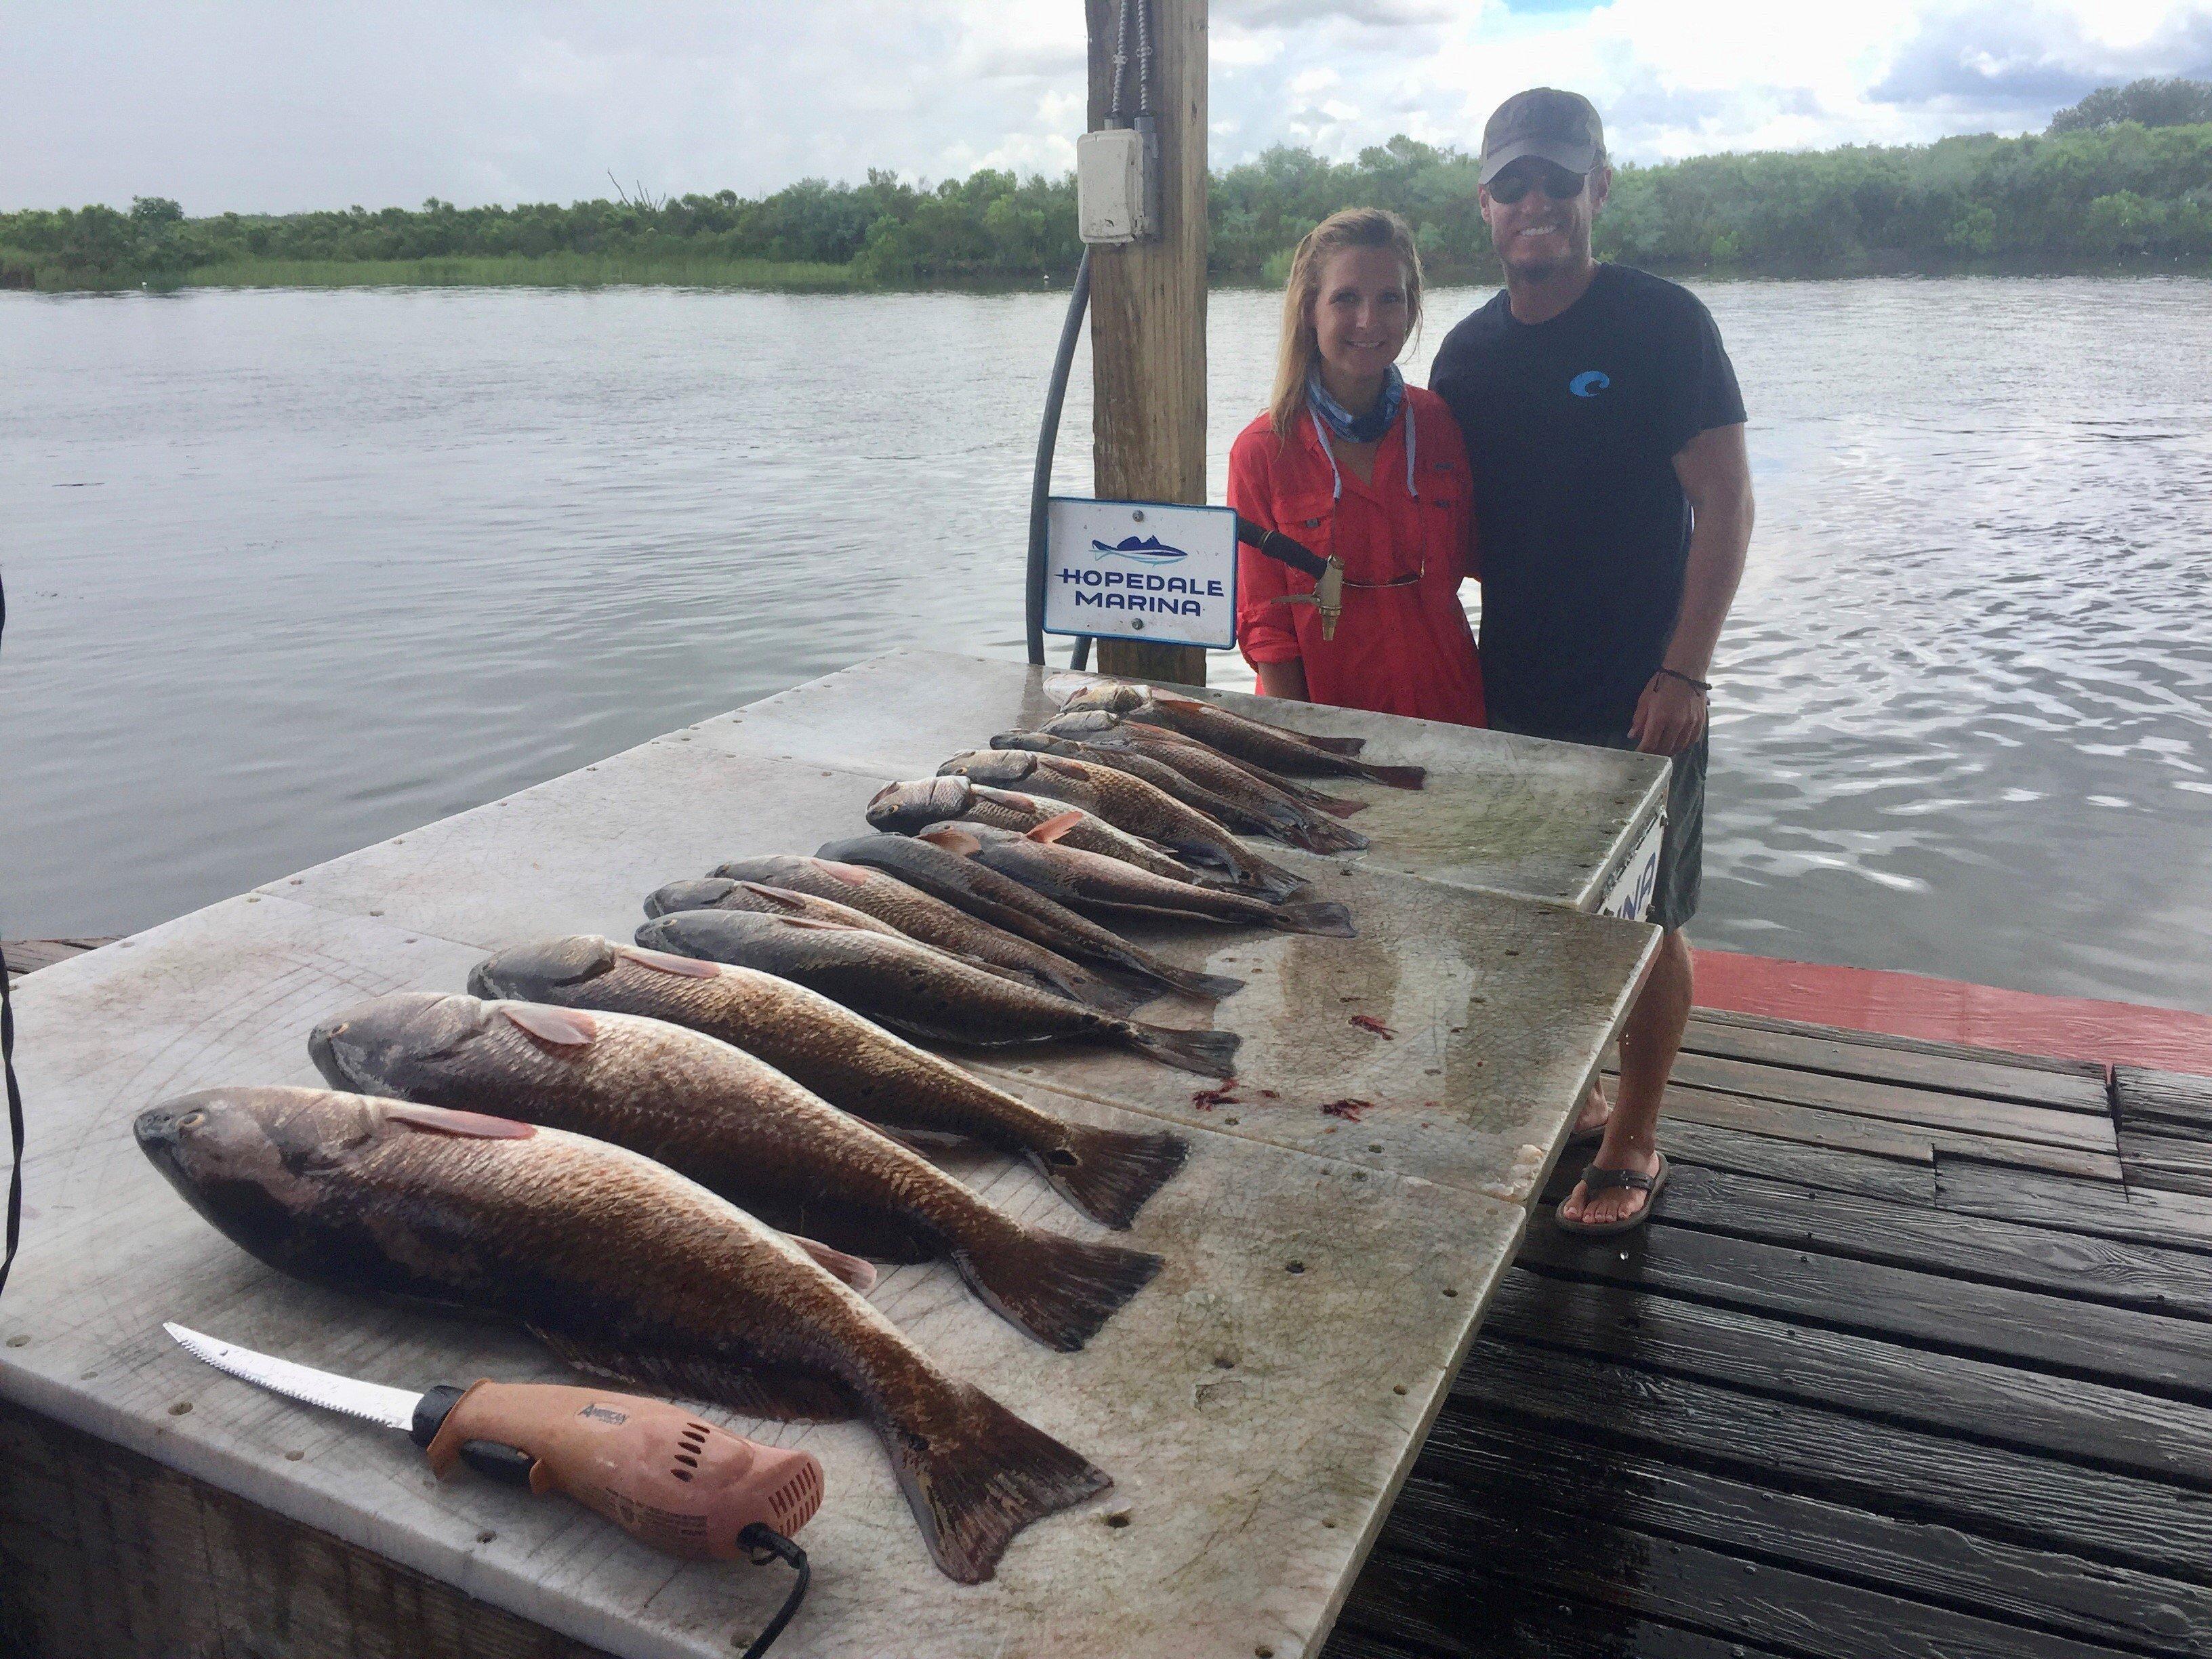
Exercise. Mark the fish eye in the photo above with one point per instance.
(192, 1120)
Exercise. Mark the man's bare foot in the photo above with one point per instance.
(1614, 1203)
(1595, 1113)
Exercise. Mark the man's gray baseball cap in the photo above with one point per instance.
(1555, 127)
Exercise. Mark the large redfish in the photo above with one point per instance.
(922, 992)
(735, 1125)
(1274, 746)
(849, 1061)
(617, 1264)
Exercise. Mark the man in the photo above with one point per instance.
(1612, 502)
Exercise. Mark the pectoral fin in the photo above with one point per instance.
(1053, 828)
(562, 1028)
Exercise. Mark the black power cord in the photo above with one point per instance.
(765, 1544)
(1070, 330)
(15, 1093)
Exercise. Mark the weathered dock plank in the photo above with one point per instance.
(2099, 1425)
(1868, 1046)
(1494, 1462)
(2145, 1277)
(2145, 1215)
(2118, 1345)
(27, 956)
(2120, 1520)
(2089, 1131)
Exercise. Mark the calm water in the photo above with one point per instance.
(290, 572)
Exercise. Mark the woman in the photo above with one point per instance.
(1352, 462)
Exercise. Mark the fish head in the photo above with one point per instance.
(1084, 725)
(1035, 742)
(1006, 768)
(705, 935)
(387, 1046)
(688, 894)
(249, 1159)
(773, 868)
(1106, 696)
(902, 808)
(541, 970)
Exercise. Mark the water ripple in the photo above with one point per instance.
(328, 565)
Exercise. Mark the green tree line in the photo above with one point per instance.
(2101, 190)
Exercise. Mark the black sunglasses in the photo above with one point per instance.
(1557, 183)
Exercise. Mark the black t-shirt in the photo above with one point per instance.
(1571, 426)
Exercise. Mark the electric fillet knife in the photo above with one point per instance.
(681, 1486)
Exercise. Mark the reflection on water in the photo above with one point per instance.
(291, 572)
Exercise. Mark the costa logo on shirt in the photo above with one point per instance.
(1590, 383)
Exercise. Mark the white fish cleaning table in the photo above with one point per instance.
(1257, 1405)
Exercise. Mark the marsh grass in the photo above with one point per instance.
(550, 271)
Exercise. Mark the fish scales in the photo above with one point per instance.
(1226, 774)
(733, 1123)
(1160, 775)
(620, 1265)
(921, 992)
(1004, 902)
(1130, 804)
(1085, 881)
(893, 904)
(850, 1061)
(902, 808)
(1237, 734)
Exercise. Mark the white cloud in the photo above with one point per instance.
(268, 104)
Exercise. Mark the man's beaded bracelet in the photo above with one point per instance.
(1677, 674)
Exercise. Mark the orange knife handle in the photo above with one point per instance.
(661, 1474)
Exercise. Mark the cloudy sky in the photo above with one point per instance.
(310, 103)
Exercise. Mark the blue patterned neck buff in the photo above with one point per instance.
(1356, 429)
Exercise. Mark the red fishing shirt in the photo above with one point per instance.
(1397, 650)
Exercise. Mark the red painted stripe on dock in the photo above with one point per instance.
(1951, 1011)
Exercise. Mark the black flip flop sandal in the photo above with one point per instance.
(1596, 1180)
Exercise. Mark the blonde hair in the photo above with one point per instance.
(1300, 351)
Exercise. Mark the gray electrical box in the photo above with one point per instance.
(1116, 185)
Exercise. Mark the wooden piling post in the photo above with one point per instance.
(1148, 307)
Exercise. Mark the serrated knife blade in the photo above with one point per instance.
(393, 1408)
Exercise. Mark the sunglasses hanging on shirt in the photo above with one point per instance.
(1517, 181)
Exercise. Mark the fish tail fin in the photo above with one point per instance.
(1212, 986)
(1333, 745)
(1058, 1289)
(1320, 834)
(1092, 990)
(1210, 1054)
(1335, 805)
(975, 1474)
(1108, 1174)
(1324, 917)
(1398, 777)
(1275, 883)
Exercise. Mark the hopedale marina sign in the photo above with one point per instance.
(1141, 570)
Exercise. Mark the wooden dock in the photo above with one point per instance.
(27, 956)
(1881, 1379)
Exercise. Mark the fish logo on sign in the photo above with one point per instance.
(1590, 383)
(1141, 549)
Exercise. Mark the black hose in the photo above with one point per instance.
(1040, 479)
(766, 1543)
(15, 1222)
